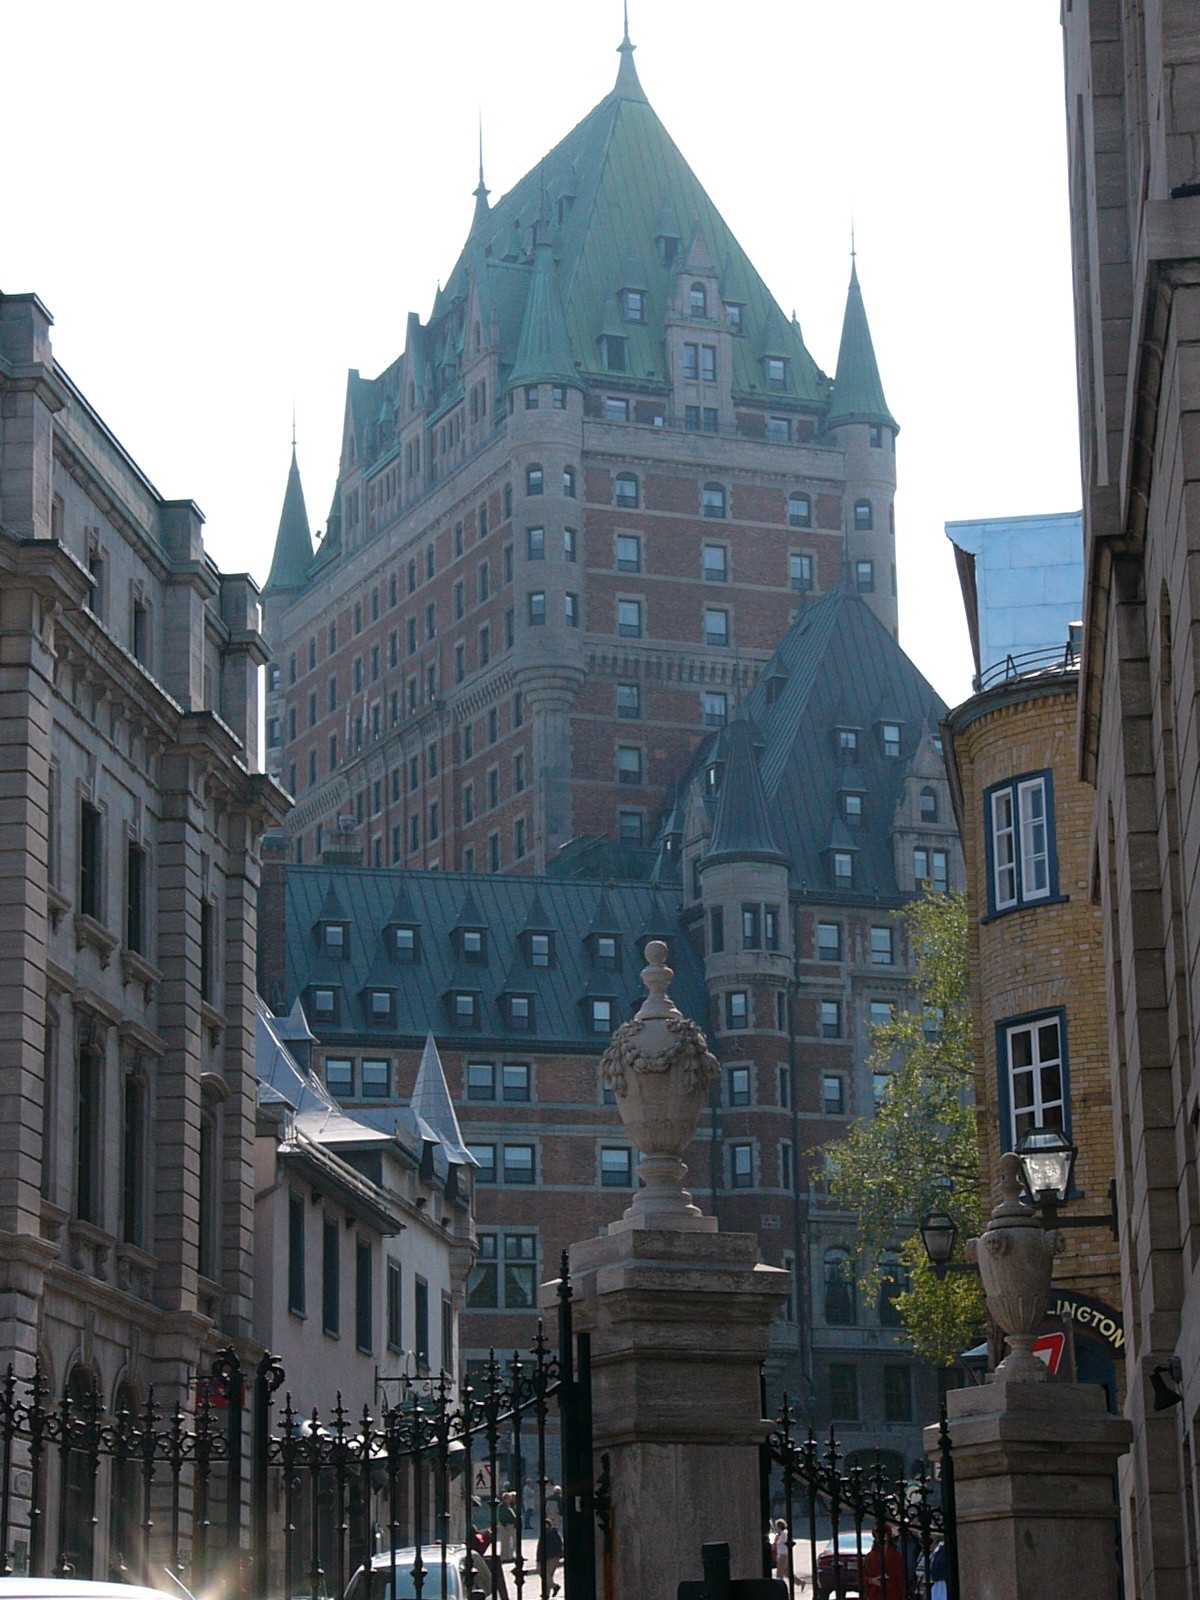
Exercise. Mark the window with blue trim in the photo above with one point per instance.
(1034, 1084)
(1022, 868)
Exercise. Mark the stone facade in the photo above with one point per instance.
(1133, 105)
(130, 831)
(1040, 964)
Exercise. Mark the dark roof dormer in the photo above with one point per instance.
(332, 927)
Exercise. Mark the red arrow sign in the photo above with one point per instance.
(1049, 1348)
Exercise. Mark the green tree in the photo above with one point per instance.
(919, 1151)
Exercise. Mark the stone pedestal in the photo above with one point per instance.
(1034, 1465)
(679, 1321)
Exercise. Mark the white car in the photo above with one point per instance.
(81, 1589)
(437, 1583)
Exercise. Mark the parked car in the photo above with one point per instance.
(81, 1589)
(844, 1566)
(450, 1583)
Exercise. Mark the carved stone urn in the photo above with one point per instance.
(660, 1069)
(1015, 1256)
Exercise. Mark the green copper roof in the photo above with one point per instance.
(544, 353)
(627, 175)
(857, 390)
(293, 543)
(742, 826)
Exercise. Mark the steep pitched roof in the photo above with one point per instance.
(857, 388)
(293, 542)
(742, 826)
(431, 1102)
(544, 352)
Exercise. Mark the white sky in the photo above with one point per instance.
(227, 205)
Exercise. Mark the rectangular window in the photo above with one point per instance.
(882, 954)
(691, 419)
(708, 363)
(940, 863)
(537, 609)
(786, 1175)
(716, 931)
(1020, 842)
(571, 609)
(751, 928)
(395, 1306)
(739, 1086)
(897, 1394)
(376, 1076)
(831, 1019)
(715, 704)
(711, 421)
(800, 572)
(602, 1016)
(629, 700)
(741, 1166)
(716, 563)
(135, 899)
(629, 764)
(881, 1013)
(536, 550)
(514, 1078)
(629, 553)
(843, 869)
(864, 577)
(716, 626)
(483, 1286)
(920, 867)
(296, 1283)
(447, 1335)
(616, 1167)
(339, 1076)
(833, 1095)
(518, 1163)
(90, 861)
(779, 430)
(363, 1330)
(484, 1156)
(1036, 1073)
(691, 362)
(879, 1088)
(630, 827)
(615, 409)
(775, 368)
(770, 927)
(737, 1009)
(829, 941)
(843, 1392)
(783, 1085)
(481, 1080)
(331, 1309)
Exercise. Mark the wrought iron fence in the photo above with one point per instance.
(858, 1526)
(409, 1503)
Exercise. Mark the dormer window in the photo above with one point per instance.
(929, 805)
(601, 1012)
(379, 1003)
(612, 347)
(472, 944)
(847, 740)
(775, 372)
(889, 738)
(843, 869)
(733, 316)
(464, 1009)
(540, 949)
(712, 778)
(635, 305)
(324, 1004)
(334, 938)
(698, 300)
(606, 951)
(520, 1013)
(852, 810)
(405, 944)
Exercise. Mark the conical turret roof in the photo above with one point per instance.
(857, 389)
(432, 1105)
(293, 543)
(742, 826)
(544, 350)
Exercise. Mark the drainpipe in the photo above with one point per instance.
(800, 1239)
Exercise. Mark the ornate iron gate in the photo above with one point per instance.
(298, 1508)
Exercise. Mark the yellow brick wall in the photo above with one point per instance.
(1042, 957)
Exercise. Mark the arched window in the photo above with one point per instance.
(698, 300)
(893, 1281)
(626, 491)
(799, 511)
(841, 1290)
(78, 1483)
(864, 516)
(533, 479)
(929, 805)
(712, 500)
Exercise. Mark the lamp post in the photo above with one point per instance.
(1047, 1161)
(939, 1234)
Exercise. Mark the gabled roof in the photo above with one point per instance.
(857, 388)
(293, 541)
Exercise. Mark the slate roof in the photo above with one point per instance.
(507, 907)
(838, 666)
(742, 824)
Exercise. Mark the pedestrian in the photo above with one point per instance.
(549, 1554)
(555, 1499)
(937, 1573)
(530, 1499)
(780, 1555)
(884, 1562)
(506, 1525)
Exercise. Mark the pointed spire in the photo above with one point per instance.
(742, 825)
(431, 1104)
(628, 86)
(857, 389)
(293, 542)
(544, 349)
(482, 209)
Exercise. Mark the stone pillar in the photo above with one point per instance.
(1034, 1483)
(679, 1316)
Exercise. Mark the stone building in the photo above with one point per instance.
(572, 520)
(1133, 110)
(1035, 934)
(130, 831)
(799, 830)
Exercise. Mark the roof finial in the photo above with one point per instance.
(293, 427)
(625, 44)
(627, 85)
(481, 188)
(853, 251)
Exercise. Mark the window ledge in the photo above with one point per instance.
(210, 1016)
(135, 1271)
(53, 1221)
(136, 969)
(90, 932)
(89, 1249)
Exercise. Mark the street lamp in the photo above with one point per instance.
(939, 1234)
(1047, 1160)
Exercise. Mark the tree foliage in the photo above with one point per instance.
(919, 1152)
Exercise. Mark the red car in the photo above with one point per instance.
(843, 1568)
